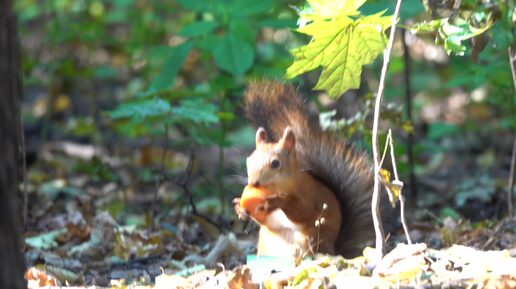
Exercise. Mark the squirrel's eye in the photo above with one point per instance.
(275, 164)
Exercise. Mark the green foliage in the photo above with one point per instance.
(166, 78)
(140, 110)
(97, 170)
(450, 35)
(439, 130)
(179, 67)
(233, 55)
(225, 33)
(342, 42)
(159, 111)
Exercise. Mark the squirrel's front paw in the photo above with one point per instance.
(241, 212)
(270, 204)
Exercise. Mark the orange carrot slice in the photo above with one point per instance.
(251, 199)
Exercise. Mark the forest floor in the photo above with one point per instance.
(460, 240)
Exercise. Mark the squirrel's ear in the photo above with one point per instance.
(261, 136)
(288, 140)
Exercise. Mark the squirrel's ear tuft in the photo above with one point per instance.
(261, 136)
(288, 140)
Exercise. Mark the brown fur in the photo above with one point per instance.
(334, 165)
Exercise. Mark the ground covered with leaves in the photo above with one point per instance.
(73, 239)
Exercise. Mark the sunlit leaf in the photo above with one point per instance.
(340, 46)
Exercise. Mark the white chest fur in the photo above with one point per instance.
(278, 220)
(286, 236)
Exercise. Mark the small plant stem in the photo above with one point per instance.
(512, 64)
(184, 183)
(155, 198)
(375, 203)
(408, 105)
(24, 174)
(511, 178)
(220, 173)
(397, 181)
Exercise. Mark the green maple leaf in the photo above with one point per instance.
(341, 45)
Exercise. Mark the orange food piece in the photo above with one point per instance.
(252, 198)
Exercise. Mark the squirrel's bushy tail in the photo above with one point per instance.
(347, 172)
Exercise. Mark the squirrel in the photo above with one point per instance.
(321, 186)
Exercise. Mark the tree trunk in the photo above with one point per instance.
(11, 258)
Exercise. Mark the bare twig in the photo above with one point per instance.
(184, 185)
(403, 220)
(455, 9)
(375, 204)
(512, 64)
(389, 144)
(399, 183)
(186, 179)
(495, 235)
(393, 158)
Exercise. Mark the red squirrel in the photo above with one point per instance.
(319, 187)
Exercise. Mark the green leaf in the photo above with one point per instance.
(141, 109)
(250, 7)
(199, 28)
(302, 275)
(451, 35)
(341, 46)
(195, 110)
(242, 30)
(166, 78)
(197, 5)
(278, 23)
(105, 71)
(233, 54)
(449, 212)
(439, 130)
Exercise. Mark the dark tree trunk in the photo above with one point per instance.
(11, 259)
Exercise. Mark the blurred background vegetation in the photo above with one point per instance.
(146, 96)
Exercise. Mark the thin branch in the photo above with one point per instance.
(184, 185)
(403, 220)
(375, 203)
(385, 149)
(512, 64)
(400, 184)
(393, 158)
